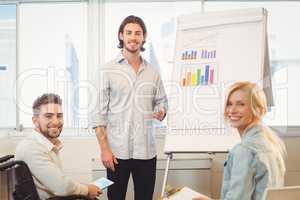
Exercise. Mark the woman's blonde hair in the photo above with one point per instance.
(258, 105)
(255, 95)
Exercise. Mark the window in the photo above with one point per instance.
(53, 58)
(284, 46)
(8, 15)
(53, 44)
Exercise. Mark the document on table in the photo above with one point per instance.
(184, 194)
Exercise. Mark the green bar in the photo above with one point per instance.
(198, 76)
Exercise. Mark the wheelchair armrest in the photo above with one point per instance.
(6, 158)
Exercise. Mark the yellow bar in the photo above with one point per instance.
(194, 79)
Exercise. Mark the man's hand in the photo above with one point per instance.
(108, 159)
(160, 114)
(93, 191)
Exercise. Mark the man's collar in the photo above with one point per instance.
(40, 138)
(120, 58)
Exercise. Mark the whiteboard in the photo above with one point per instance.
(213, 50)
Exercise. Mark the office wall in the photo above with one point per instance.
(78, 153)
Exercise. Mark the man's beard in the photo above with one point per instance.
(48, 135)
(135, 50)
(132, 51)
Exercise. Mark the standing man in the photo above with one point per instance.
(131, 97)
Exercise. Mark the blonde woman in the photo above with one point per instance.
(258, 161)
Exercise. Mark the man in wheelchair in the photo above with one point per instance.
(40, 151)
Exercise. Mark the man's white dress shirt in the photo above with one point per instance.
(42, 158)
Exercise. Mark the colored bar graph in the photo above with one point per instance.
(199, 54)
(198, 76)
(189, 55)
(205, 54)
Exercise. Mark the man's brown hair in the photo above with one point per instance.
(46, 98)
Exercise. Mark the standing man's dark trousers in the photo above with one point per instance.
(143, 174)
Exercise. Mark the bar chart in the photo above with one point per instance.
(198, 54)
(201, 75)
(189, 55)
